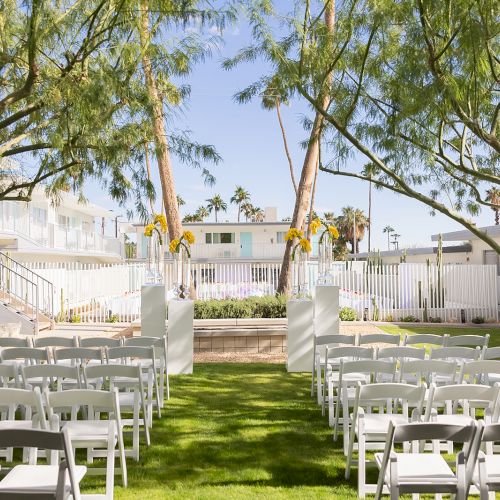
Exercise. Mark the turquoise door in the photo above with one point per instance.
(245, 244)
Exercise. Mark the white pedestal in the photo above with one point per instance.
(300, 335)
(180, 333)
(153, 311)
(326, 310)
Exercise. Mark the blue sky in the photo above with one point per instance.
(249, 140)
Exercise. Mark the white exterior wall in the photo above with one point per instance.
(448, 258)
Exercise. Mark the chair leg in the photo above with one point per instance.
(135, 428)
(350, 450)
(361, 466)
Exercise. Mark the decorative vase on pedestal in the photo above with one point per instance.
(300, 271)
(182, 273)
(325, 261)
(154, 270)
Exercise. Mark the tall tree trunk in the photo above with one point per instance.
(313, 196)
(148, 170)
(369, 216)
(303, 198)
(162, 151)
(497, 216)
(285, 144)
(215, 215)
(239, 211)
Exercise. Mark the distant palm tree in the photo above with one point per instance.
(202, 213)
(329, 217)
(388, 230)
(257, 214)
(240, 195)
(346, 222)
(216, 204)
(180, 201)
(493, 196)
(191, 218)
(395, 240)
(247, 208)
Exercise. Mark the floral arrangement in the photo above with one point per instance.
(159, 225)
(330, 230)
(303, 243)
(186, 240)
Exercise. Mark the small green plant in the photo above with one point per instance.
(389, 318)
(409, 319)
(113, 319)
(437, 319)
(348, 314)
(76, 318)
(478, 320)
(251, 307)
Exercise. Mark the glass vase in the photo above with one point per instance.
(154, 269)
(182, 274)
(325, 262)
(300, 281)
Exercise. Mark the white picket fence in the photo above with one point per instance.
(98, 293)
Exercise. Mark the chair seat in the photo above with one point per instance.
(87, 430)
(492, 463)
(349, 377)
(36, 478)
(420, 469)
(377, 424)
(16, 424)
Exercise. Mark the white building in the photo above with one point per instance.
(39, 231)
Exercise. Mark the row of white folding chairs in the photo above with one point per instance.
(369, 431)
(412, 471)
(99, 437)
(55, 343)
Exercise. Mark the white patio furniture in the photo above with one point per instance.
(487, 474)
(436, 371)
(378, 338)
(49, 376)
(425, 338)
(467, 340)
(99, 342)
(491, 353)
(481, 372)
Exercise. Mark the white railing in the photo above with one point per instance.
(236, 251)
(384, 292)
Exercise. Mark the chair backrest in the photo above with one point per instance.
(378, 338)
(467, 340)
(50, 372)
(49, 440)
(111, 371)
(54, 342)
(478, 371)
(491, 432)
(428, 431)
(491, 353)
(25, 353)
(401, 352)
(372, 368)
(350, 352)
(461, 353)
(427, 370)
(138, 352)
(8, 375)
(425, 338)
(15, 341)
(157, 342)
(31, 400)
(99, 342)
(78, 353)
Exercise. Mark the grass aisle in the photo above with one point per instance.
(239, 431)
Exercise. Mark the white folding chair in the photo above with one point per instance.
(55, 377)
(9, 376)
(92, 433)
(99, 342)
(467, 340)
(425, 338)
(33, 415)
(133, 399)
(351, 374)
(79, 356)
(25, 355)
(458, 354)
(320, 345)
(487, 473)
(15, 342)
(481, 372)
(420, 472)
(400, 353)
(146, 358)
(436, 371)
(331, 363)
(55, 341)
(161, 353)
(378, 338)
(55, 481)
(369, 431)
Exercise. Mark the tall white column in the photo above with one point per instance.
(153, 310)
(326, 310)
(300, 335)
(180, 336)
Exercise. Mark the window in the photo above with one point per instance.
(217, 238)
(63, 220)
(280, 237)
(39, 215)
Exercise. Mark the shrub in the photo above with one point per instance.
(409, 319)
(389, 318)
(113, 319)
(478, 320)
(251, 307)
(348, 314)
(435, 320)
(76, 318)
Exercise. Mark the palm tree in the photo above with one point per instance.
(388, 230)
(191, 218)
(216, 204)
(257, 214)
(395, 240)
(352, 224)
(493, 196)
(202, 213)
(329, 217)
(240, 195)
(247, 208)
(180, 201)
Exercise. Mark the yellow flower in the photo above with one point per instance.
(315, 225)
(334, 232)
(174, 244)
(148, 230)
(160, 218)
(293, 233)
(305, 245)
(188, 236)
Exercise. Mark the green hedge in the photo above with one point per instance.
(252, 307)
